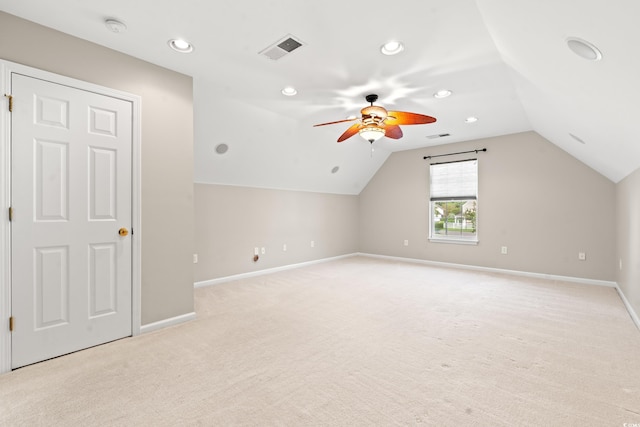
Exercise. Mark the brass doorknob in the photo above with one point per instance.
(123, 232)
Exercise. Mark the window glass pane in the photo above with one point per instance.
(454, 219)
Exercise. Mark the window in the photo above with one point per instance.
(454, 201)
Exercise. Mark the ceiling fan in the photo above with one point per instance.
(377, 122)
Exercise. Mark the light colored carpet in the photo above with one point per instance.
(356, 342)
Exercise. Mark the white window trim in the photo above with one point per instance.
(454, 241)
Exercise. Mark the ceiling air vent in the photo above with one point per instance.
(440, 135)
(282, 47)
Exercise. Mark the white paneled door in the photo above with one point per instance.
(71, 200)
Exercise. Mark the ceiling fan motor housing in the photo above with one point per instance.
(373, 114)
(373, 118)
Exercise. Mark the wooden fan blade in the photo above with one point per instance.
(392, 131)
(404, 118)
(350, 132)
(339, 121)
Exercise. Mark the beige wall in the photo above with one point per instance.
(534, 198)
(231, 221)
(628, 236)
(167, 150)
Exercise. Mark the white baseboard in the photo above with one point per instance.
(497, 270)
(219, 280)
(167, 322)
(632, 313)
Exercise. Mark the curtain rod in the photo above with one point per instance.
(451, 154)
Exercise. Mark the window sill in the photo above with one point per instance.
(454, 241)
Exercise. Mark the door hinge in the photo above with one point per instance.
(11, 323)
(10, 102)
(10, 214)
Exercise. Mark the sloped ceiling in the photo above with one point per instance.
(506, 62)
(564, 94)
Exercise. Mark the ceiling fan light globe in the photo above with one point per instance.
(371, 133)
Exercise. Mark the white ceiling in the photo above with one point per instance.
(506, 62)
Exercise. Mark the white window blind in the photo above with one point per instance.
(454, 180)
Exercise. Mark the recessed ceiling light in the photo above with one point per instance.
(584, 49)
(222, 148)
(335, 169)
(115, 26)
(577, 139)
(289, 91)
(471, 119)
(442, 93)
(392, 47)
(181, 46)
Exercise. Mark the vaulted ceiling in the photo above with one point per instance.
(506, 62)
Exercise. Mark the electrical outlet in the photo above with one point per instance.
(406, 243)
(195, 258)
(620, 264)
(504, 250)
(263, 251)
(256, 251)
(582, 256)
(284, 247)
(313, 244)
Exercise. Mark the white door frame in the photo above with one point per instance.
(6, 68)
